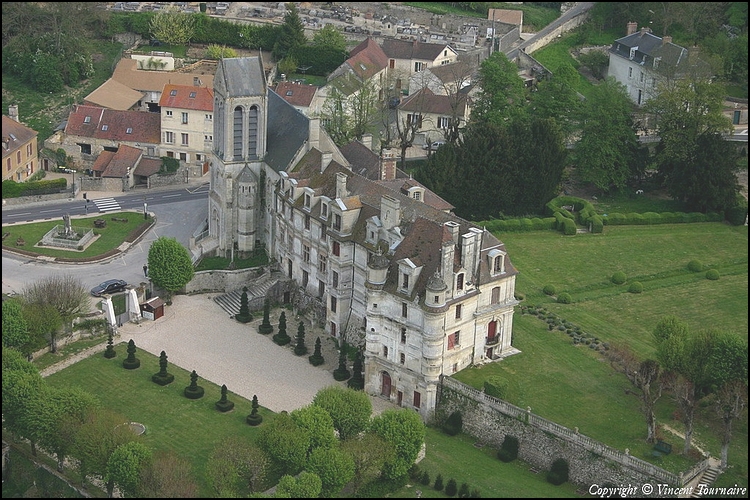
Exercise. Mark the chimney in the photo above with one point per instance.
(325, 160)
(197, 81)
(390, 212)
(632, 27)
(367, 141)
(645, 30)
(387, 165)
(313, 128)
(341, 185)
(667, 39)
(13, 112)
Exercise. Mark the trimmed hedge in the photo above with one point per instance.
(695, 266)
(712, 274)
(13, 189)
(635, 287)
(564, 298)
(619, 278)
(549, 289)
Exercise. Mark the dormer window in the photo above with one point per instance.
(289, 93)
(337, 222)
(497, 261)
(307, 201)
(405, 281)
(87, 119)
(656, 62)
(324, 210)
(632, 52)
(173, 92)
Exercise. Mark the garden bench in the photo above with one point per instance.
(99, 223)
(662, 448)
(5, 235)
(119, 219)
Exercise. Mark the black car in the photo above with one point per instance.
(107, 287)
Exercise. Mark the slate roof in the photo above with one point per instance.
(362, 159)
(114, 124)
(367, 59)
(648, 48)
(296, 94)
(114, 95)
(127, 73)
(286, 133)
(187, 97)
(117, 164)
(405, 49)
(241, 77)
(402, 183)
(453, 73)
(21, 132)
(426, 101)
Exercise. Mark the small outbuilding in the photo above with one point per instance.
(153, 308)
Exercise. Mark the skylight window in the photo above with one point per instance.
(364, 68)
(289, 92)
(105, 127)
(173, 92)
(87, 119)
(192, 95)
(129, 131)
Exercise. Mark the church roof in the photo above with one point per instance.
(287, 132)
(241, 76)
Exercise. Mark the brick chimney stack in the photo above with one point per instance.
(387, 165)
(632, 27)
(13, 112)
(666, 39)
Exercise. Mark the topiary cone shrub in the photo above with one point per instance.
(110, 352)
(300, 349)
(439, 483)
(282, 338)
(317, 358)
(254, 418)
(712, 274)
(509, 449)
(131, 362)
(357, 382)
(619, 278)
(266, 327)
(451, 488)
(163, 377)
(244, 315)
(194, 391)
(223, 404)
(635, 287)
(558, 473)
(341, 373)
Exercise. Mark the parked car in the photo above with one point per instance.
(433, 146)
(393, 102)
(107, 287)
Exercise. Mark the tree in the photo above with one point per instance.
(126, 464)
(502, 96)
(645, 377)
(357, 381)
(689, 121)
(350, 109)
(266, 327)
(369, 453)
(169, 264)
(334, 467)
(236, 466)
(451, 488)
(43, 320)
(342, 373)
(172, 26)
(281, 338)
(606, 154)
(556, 98)
(318, 424)
(300, 349)
(285, 442)
(292, 33)
(317, 358)
(304, 485)
(730, 402)
(167, 476)
(244, 316)
(22, 388)
(349, 409)
(15, 329)
(63, 292)
(405, 431)
(329, 37)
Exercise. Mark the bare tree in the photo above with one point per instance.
(350, 109)
(63, 292)
(730, 402)
(645, 376)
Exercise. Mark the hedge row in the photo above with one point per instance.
(648, 218)
(13, 189)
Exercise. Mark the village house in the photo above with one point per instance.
(19, 148)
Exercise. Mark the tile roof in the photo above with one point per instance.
(21, 132)
(454, 73)
(426, 101)
(127, 73)
(148, 167)
(362, 159)
(402, 183)
(296, 94)
(367, 59)
(114, 95)
(117, 164)
(101, 123)
(506, 16)
(187, 97)
(405, 49)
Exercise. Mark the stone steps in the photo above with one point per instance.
(231, 301)
(707, 479)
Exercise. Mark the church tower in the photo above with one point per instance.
(235, 218)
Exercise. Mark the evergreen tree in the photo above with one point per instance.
(317, 358)
(266, 327)
(451, 488)
(292, 33)
(163, 377)
(300, 348)
(110, 352)
(342, 373)
(439, 483)
(131, 362)
(282, 338)
(357, 381)
(244, 315)
(463, 491)
(254, 418)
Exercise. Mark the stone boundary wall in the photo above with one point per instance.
(542, 441)
(23, 200)
(223, 281)
(569, 25)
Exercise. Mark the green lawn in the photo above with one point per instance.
(534, 16)
(110, 237)
(190, 428)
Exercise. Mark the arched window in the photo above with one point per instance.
(460, 282)
(237, 133)
(252, 132)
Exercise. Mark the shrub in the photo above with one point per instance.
(695, 266)
(439, 483)
(509, 449)
(496, 386)
(475, 493)
(712, 274)
(635, 287)
(463, 491)
(564, 298)
(451, 488)
(425, 479)
(737, 215)
(549, 289)
(453, 424)
(558, 473)
(619, 278)
(415, 472)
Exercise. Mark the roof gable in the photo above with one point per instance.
(114, 125)
(15, 135)
(404, 49)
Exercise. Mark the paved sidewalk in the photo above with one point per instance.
(197, 334)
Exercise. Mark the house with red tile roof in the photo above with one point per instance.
(19, 148)
(187, 122)
(299, 95)
(123, 169)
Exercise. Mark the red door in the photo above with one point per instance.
(385, 389)
(491, 330)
